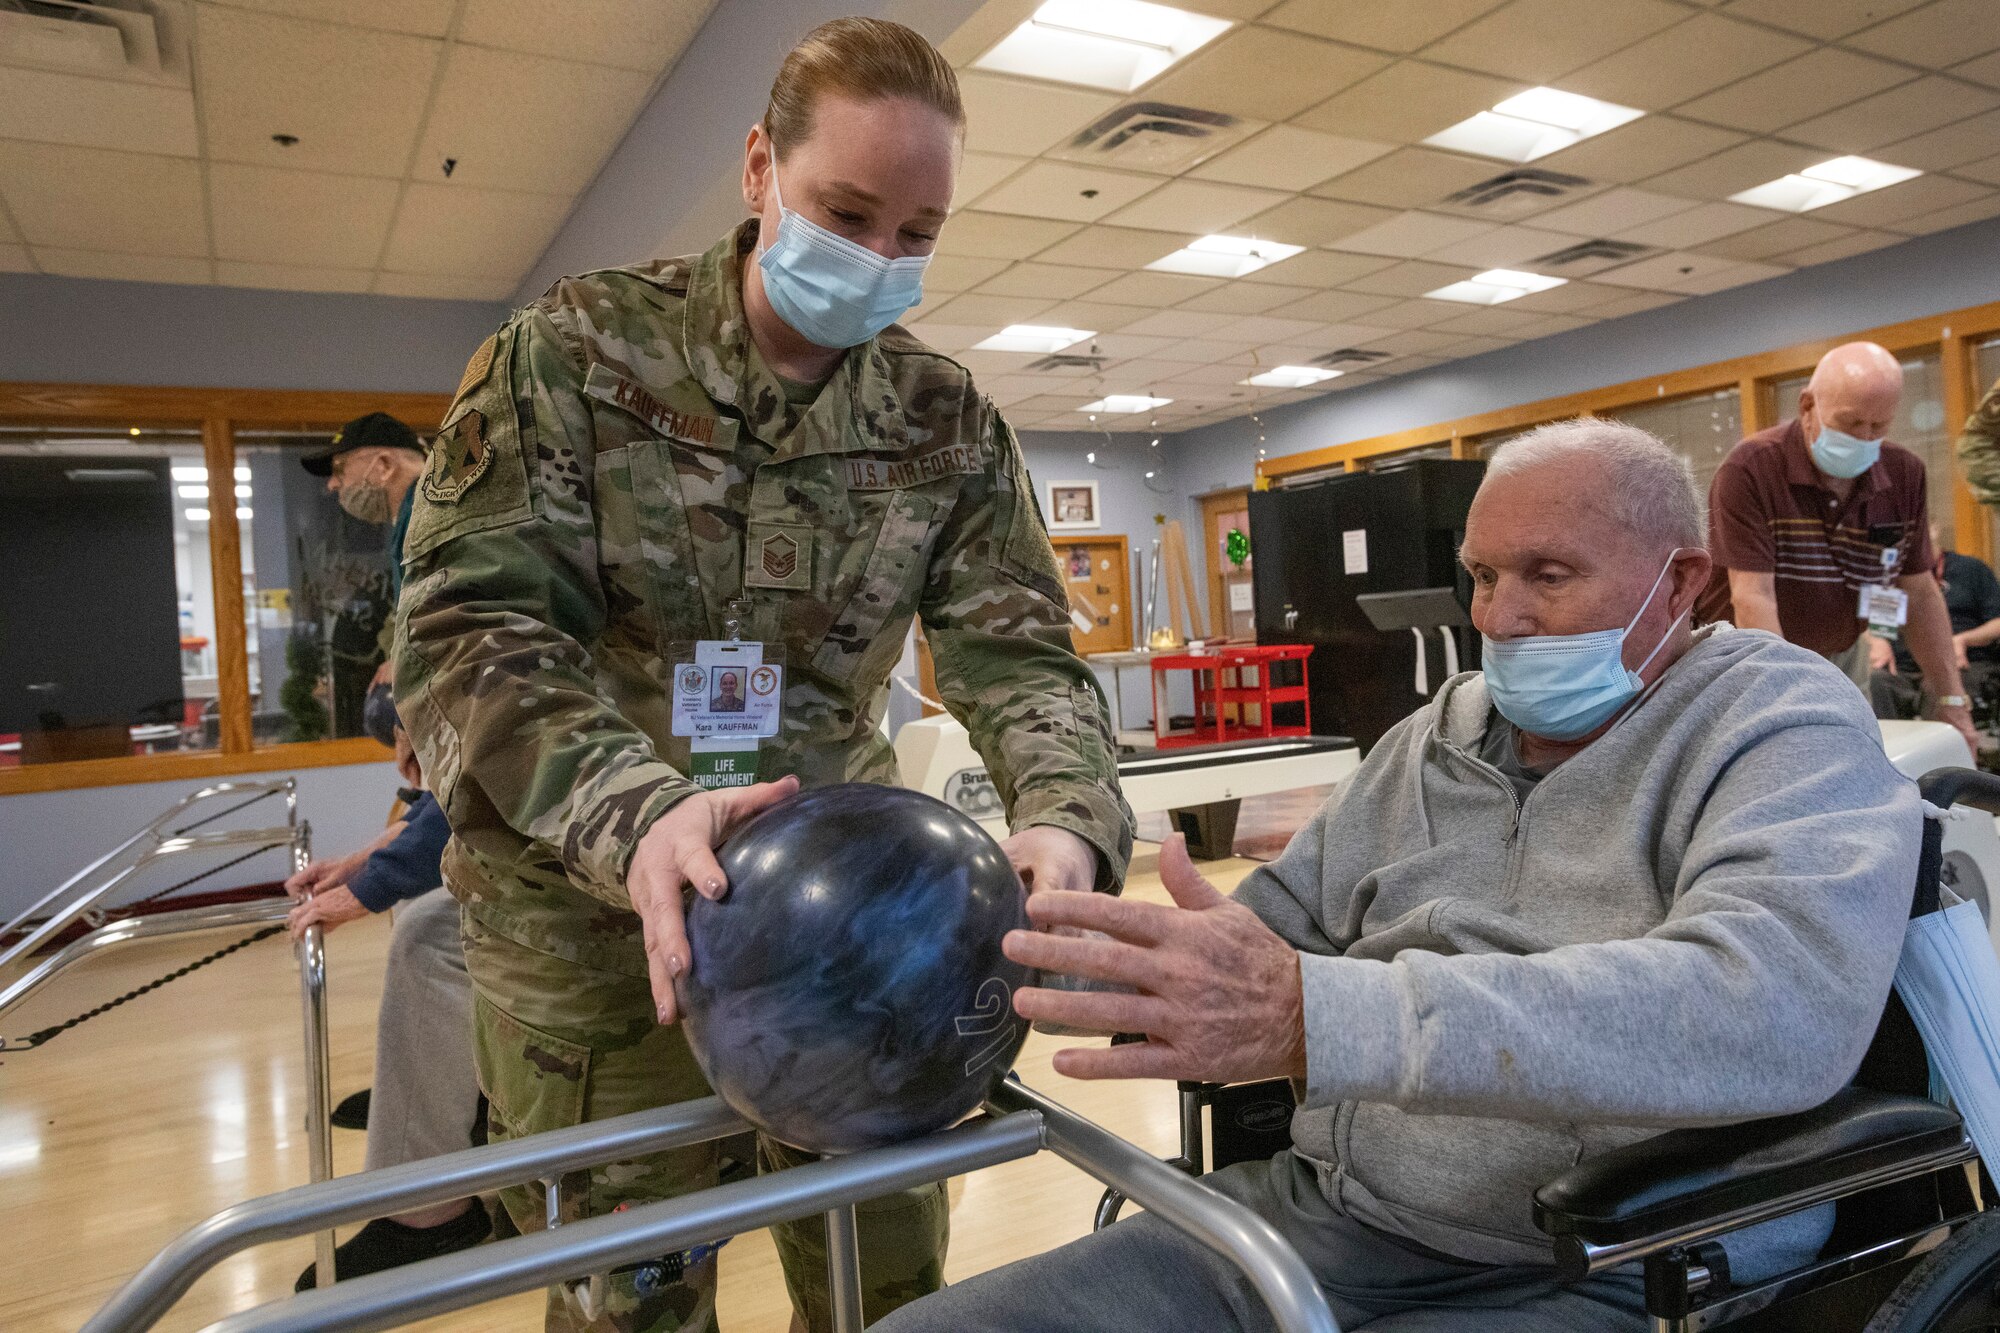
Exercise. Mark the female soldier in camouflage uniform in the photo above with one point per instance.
(639, 457)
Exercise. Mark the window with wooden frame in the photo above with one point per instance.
(183, 599)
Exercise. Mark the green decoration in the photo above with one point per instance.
(1236, 546)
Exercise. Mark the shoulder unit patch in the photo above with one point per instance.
(459, 459)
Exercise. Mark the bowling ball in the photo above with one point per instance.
(849, 989)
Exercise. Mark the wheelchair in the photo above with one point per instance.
(1913, 1249)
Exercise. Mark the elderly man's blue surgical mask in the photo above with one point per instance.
(1839, 454)
(834, 292)
(1562, 686)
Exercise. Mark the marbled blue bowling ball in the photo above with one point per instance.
(849, 989)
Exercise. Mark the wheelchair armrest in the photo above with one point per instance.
(1651, 1194)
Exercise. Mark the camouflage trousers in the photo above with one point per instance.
(559, 1044)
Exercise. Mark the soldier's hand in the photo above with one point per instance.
(1046, 857)
(678, 850)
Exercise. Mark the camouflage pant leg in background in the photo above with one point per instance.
(558, 1044)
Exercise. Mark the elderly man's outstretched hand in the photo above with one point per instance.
(1216, 992)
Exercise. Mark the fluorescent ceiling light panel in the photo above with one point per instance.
(197, 515)
(1225, 256)
(1494, 286)
(1033, 338)
(1828, 183)
(1292, 377)
(1533, 124)
(1115, 44)
(1126, 402)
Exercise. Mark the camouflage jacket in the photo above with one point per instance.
(617, 467)
(1979, 448)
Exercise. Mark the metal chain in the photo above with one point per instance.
(202, 875)
(220, 814)
(37, 1038)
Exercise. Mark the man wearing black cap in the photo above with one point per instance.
(371, 465)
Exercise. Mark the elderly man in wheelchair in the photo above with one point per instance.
(1531, 967)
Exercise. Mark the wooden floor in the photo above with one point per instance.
(120, 1134)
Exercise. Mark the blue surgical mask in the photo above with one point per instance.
(1562, 686)
(832, 291)
(1839, 454)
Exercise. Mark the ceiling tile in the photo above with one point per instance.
(1645, 147)
(1198, 206)
(1825, 19)
(948, 337)
(1943, 219)
(1261, 329)
(1985, 69)
(1319, 268)
(1411, 341)
(991, 312)
(1057, 282)
(354, 98)
(1161, 289)
(444, 286)
(52, 107)
(980, 172)
(1407, 102)
(1310, 222)
(293, 277)
(1986, 169)
(1286, 157)
(1684, 61)
(1814, 83)
(1736, 169)
(1503, 247)
(14, 259)
(983, 364)
(1573, 296)
(1776, 238)
(1542, 40)
(1936, 35)
(1408, 235)
(465, 232)
(1675, 271)
(1113, 247)
(541, 137)
(1072, 193)
(1005, 115)
(1854, 243)
(1698, 225)
(1889, 207)
(7, 232)
(1178, 324)
(1899, 113)
(1949, 147)
(1414, 314)
(1478, 344)
(1634, 303)
(1264, 74)
(1124, 346)
(1203, 352)
(1546, 325)
(1491, 319)
(1613, 211)
(1245, 298)
(422, 18)
(1334, 307)
(1410, 278)
(1387, 25)
(644, 35)
(999, 236)
(959, 273)
(1410, 178)
(92, 199)
(268, 216)
(121, 267)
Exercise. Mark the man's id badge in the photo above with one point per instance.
(728, 692)
(1884, 608)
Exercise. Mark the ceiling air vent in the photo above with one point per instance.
(1348, 357)
(1514, 194)
(1154, 136)
(1066, 363)
(113, 39)
(1587, 257)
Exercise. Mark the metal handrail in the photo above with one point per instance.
(1019, 1123)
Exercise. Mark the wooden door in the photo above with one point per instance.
(1230, 613)
(1095, 574)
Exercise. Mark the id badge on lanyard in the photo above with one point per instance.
(728, 699)
(1885, 608)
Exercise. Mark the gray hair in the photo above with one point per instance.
(1653, 492)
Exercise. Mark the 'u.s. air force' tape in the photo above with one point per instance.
(1949, 979)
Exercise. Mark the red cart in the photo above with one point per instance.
(1233, 693)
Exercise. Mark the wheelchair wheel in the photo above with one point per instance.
(1956, 1289)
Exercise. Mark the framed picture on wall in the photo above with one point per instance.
(1072, 505)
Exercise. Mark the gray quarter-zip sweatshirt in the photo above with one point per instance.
(1693, 921)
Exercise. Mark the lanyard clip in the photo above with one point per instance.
(734, 614)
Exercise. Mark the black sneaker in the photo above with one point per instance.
(387, 1243)
(352, 1113)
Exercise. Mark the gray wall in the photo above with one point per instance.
(49, 836)
(1909, 281)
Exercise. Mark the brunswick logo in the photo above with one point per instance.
(781, 556)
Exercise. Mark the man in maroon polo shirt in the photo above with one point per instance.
(1819, 528)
